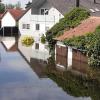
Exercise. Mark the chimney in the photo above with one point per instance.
(77, 3)
(94, 1)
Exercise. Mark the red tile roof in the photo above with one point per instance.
(1, 15)
(16, 13)
(88, 25)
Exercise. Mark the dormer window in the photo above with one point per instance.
(44, 11)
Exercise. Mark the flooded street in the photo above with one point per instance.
(20, 81)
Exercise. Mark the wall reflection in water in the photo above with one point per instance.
(77, 85)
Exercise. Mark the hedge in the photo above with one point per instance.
(89, 44)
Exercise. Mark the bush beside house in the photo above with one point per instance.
(70, 20)
(43, 39)
(88, 44)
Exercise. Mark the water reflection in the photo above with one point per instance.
(38, 67)
(19, 82)
(80, 87)
(75, 85)
(41, 81)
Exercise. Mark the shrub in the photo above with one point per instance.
(90, 44)
(27, 41)
(70, 20)
(43, 39)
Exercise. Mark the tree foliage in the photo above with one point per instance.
(2, 8)
(71, 20)
(28, 4)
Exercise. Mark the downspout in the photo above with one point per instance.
(77, 3)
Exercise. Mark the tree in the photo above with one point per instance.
(28, 5)
(2, 7)
(10, 6)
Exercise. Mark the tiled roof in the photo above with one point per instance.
(1, 15)
(65, 6)
(16, 13)
(62, 5)
(24, 12)
(88, 25)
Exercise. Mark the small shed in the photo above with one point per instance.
(68, 55)
(9, 20)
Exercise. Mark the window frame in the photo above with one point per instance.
(25, 26)
(37, 46)
(37, 26)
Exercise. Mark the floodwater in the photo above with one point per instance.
(19, 81)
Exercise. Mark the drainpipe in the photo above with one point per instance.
(77, 3)
(3, 31)
(94, 1)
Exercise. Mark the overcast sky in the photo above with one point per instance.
(23, 2)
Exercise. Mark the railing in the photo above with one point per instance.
(43, 18)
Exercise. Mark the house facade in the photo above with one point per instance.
(9, 22)
(38, 19)
(10, 17)
(5, 20)
(44, 14)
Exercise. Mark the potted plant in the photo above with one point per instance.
(43, 39)
(27, 41)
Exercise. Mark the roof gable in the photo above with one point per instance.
(25, 12)
(16, 13)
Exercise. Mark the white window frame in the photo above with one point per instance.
(25, 26)
(37, 26)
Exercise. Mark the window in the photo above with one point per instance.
(44, 11)
(37, 26)
(37, 46)
(23, 26)
(26, 26)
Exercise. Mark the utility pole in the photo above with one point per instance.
(94, 1)
(77, 3)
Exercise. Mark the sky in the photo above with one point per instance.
(23, 2)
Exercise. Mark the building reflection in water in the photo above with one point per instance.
(38, 67)
(77, 85)
(79, 61)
